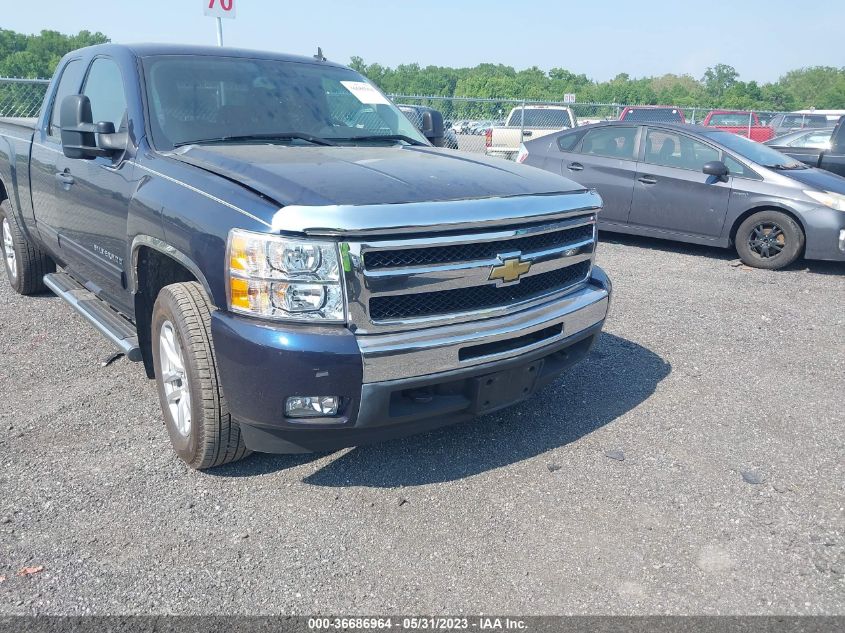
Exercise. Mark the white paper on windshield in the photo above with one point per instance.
(364, 92)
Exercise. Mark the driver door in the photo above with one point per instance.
(93, 196)
(671, 193)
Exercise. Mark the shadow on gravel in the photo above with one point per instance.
(616, 377)
(713, 252)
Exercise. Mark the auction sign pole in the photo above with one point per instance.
(219, 9)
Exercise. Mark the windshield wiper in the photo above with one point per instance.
(381, 137)
(787, 166)
(282, 136)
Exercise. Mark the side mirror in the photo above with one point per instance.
(433, 128)
(77, 125)
(81, 137)
(716, 168)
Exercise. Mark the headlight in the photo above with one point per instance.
(828, 199)
(284, 278)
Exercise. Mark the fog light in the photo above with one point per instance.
(312, 406)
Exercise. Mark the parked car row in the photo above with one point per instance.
(474, 128)
(502, 138)
(707, 185)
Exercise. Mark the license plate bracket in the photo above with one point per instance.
(500, 389)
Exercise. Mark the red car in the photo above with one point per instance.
(743, 123)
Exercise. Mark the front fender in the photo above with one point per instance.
(189, 214)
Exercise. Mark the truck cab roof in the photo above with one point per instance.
(151, 49)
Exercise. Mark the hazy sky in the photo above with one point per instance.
(762, 39)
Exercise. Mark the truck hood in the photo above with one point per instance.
(355, 175)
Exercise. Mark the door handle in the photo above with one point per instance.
(647, 180)
(528, 133)
(576, 167)
(65, 178)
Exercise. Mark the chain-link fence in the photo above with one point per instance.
(497, 126)
(21, 97)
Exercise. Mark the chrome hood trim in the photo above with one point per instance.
(417, 217)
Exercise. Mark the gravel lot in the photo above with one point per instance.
(693, 464)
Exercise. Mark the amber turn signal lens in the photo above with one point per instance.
(238, 256)
(240, 293)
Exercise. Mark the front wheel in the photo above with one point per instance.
(769, 239)
(202, 432)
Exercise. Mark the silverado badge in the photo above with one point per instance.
(510, 270)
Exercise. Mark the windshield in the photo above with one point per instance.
(755, 152)
(202, 98)
(541, 117)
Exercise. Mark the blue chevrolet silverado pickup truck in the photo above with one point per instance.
(295, 264)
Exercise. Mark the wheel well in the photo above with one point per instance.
(155, 270)
(751, 212)
(3, 194)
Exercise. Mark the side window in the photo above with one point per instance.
(567, 142)
(671, 149)
(104, 87)
(68, 85)
(612, 141)
(737, 169)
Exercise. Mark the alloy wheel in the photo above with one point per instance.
(766, 239)
(174, 378)
(9, 249)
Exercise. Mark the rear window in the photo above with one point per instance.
(539, 118)
(658, 115)
(732, 119)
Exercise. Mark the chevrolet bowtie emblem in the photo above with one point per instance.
(510, 270)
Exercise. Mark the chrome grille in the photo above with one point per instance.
(479, 250)
(445, 302)
(414, 281)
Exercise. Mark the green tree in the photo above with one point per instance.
(718, 79)
(37, 55)
(815, 87)
(720, 87)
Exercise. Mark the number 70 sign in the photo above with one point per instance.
(219, 8)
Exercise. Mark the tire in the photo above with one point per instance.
(769, 239)
(202, 432)
(25, 263)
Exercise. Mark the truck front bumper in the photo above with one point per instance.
(397, 384)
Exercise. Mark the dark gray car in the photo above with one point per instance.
(700, 185)
(785, 123)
